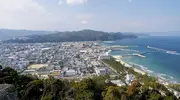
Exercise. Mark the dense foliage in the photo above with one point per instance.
(84, 35)
(29, 88)
(175, 87)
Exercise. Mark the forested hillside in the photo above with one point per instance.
(84, 35)
(97, 88)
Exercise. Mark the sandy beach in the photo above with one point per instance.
(118, 58)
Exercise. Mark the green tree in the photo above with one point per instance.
(34, 90)
(170, 98)
(84, 84)
(155, 96)
(84, 89)
(133, 88)
(70, 94)
(124, 97)
(46, 98)
(1, 67)
(21, 83)
(54, 88)
(112, 93)
(9, 75)
(84, 95)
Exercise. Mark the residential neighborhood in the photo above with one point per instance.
(60, 60)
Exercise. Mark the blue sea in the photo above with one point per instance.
(162, 55)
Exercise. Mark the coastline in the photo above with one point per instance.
(118, 58)
(160, 80)
(161, 77)
(164, 79)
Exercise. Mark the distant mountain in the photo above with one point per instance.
(9, 33)
(83, 35)
(138, 34)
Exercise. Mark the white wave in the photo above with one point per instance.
(171, 77)
(161, 76)
(108, 41)
(155, 48)
(166, 78)
(173, 53)
(141, 67)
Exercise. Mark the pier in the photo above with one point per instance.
(139, 55)
(142, 55)
(159, 49)
(135, 54)
(117, 47)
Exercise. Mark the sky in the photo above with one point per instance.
(104, 15)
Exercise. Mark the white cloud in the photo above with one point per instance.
(16, 5)
(30, 14)
(60, 2)
(130, 1)
(153, 24)
(15, 12)
(75, 2)
(26, 14)
(84, 18)
(84, 22)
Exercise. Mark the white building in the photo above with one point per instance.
(118, 82)
(101, 71)
(101, 57)
(83, 51)
(30, 71)
(95, 63)
(44, 76)
(129, 78)
(70, 72)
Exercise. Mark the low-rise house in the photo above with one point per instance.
(70, 72)
(102, 57)
(30, 71)
(43, 76)
(129, 78)
(101, 71)
(37, 66)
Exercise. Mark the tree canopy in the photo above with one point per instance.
(29, 88)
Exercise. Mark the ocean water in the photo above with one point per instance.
(162, 57)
